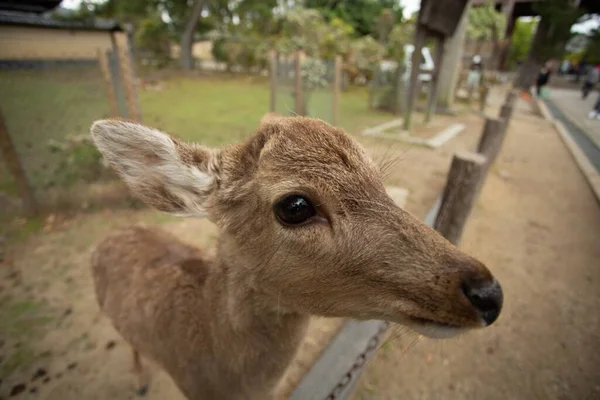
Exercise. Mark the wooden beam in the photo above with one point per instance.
(460, 193)
(108, 82)
(273, 79)
(13, 164)
(337, 83)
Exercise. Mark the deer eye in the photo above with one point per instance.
(294, 209)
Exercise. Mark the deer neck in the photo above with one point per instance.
(247, 310)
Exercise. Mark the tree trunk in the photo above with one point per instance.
(494, 59)
(187, 37)
(530, 68)
(16, 169)
(508, 34)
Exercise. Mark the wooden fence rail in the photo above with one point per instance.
(287, 70)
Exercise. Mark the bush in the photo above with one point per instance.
(81, 161)
(364, 53)
(247, 52)
(153, 38)
(218, 50)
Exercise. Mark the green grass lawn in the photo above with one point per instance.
(41, 106)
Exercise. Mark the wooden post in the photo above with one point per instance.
(415, 68)
(460, 193)
(511, 97)
(435, 81)
(490, 143)
(491, 138)
(273, 81)
(299, 107)
(506, 112)
(337, 82)
(128, 76)
(13, 164)
(110, 90)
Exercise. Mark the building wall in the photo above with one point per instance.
(201, 50)
(33, 43)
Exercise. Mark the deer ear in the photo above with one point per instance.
(167, 174)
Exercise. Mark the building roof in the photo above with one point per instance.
(34, 6)
(45, 21)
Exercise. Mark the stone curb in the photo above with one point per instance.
(585, 166)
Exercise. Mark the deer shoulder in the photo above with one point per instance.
(147, 267)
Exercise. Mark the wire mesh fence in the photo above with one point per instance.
(47, 106)
(304, 86)
(387, 89)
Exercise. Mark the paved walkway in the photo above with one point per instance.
(567, 106)
(575, 109)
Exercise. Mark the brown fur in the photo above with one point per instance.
(226, 328)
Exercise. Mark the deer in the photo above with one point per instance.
(305, 229)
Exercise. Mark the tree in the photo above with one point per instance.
(183, 18)
(187, 36)
(521, 40)
(384, 24)
(592, 50)
(334, 38)
(153, 36)
(365, 52)
(306, 29)
(401, 34)
(486, 24)
(360, 14)
(300, 31)
(551, 36)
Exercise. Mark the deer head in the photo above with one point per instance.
(304, 213)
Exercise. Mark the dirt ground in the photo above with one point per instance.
(54, 344)
(536, 226)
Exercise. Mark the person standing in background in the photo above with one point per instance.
(592, 76)
(581, 67)
(543, 78)
(595, 113)
(564, 67)
(475, 75)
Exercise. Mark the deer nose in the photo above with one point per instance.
(486, 297)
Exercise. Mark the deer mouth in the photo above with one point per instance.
(434, 329)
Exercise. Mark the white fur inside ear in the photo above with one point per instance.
(150, 163)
